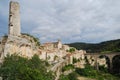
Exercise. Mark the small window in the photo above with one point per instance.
(11, 13)
(11, 25)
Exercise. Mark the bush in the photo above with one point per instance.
(71, 50)
(71, 76)
(34, 38)
(89, 71)
(18, 68)
(63, 77)
(75, 60)
(67, 67)
(102, 68)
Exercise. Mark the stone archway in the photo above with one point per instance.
(104, 63)
(109, 55)
(116, 64)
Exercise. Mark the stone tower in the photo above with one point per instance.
(14, 19)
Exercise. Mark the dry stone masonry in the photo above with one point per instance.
(14, 19)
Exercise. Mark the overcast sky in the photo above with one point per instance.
(68, 20)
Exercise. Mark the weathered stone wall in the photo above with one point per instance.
(79, 54)
(59, 44)
(65, 47)
(100, 61)
(14, 19)
(51, 55)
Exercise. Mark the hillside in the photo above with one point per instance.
(106, 46)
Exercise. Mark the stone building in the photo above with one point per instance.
(79, 54)
(52, 51)
(66, 47)
(25, 45)
(14, 19)
(53, 45)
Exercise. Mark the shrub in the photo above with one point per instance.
(34, 38)
(67, 67)
(71, 76)
(15, 67)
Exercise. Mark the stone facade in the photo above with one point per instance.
(52, 51)
(100, 61)
(14, 19)
(53, 45)
(65, 47)
(55, 51)
(80, 56)
(23, 45)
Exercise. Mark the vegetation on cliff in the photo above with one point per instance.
(71, 76)
(68, 67)
(103, 47)
(18, 68)
(90, 73)
(34, 38)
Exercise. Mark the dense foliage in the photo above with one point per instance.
(71, 50)
(90, 72)
(18, 68)
(68, 67)
(71, 76)
(75, 60)
(104, 47)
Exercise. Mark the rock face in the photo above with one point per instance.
(14, 19)
(20, 46)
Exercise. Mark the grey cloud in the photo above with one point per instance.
(89, 20)
(71, 20)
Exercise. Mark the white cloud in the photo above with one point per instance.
(71, 20)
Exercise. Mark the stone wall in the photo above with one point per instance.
(100, 61)
(79, 54)
(52, 55)
(14, 19)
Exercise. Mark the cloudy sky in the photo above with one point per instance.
(69, 20)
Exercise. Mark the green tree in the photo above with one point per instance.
(71, 76)
(18, 68)
(63, 77)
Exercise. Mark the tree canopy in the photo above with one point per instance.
(103, 47)
(15, 67)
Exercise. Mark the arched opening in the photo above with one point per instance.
(116, 65)
(104, 63)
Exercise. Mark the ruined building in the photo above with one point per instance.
(14, 19)
(16, 42)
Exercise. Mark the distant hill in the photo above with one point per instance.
(103, 47)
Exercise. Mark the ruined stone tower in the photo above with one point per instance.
(14, 19)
